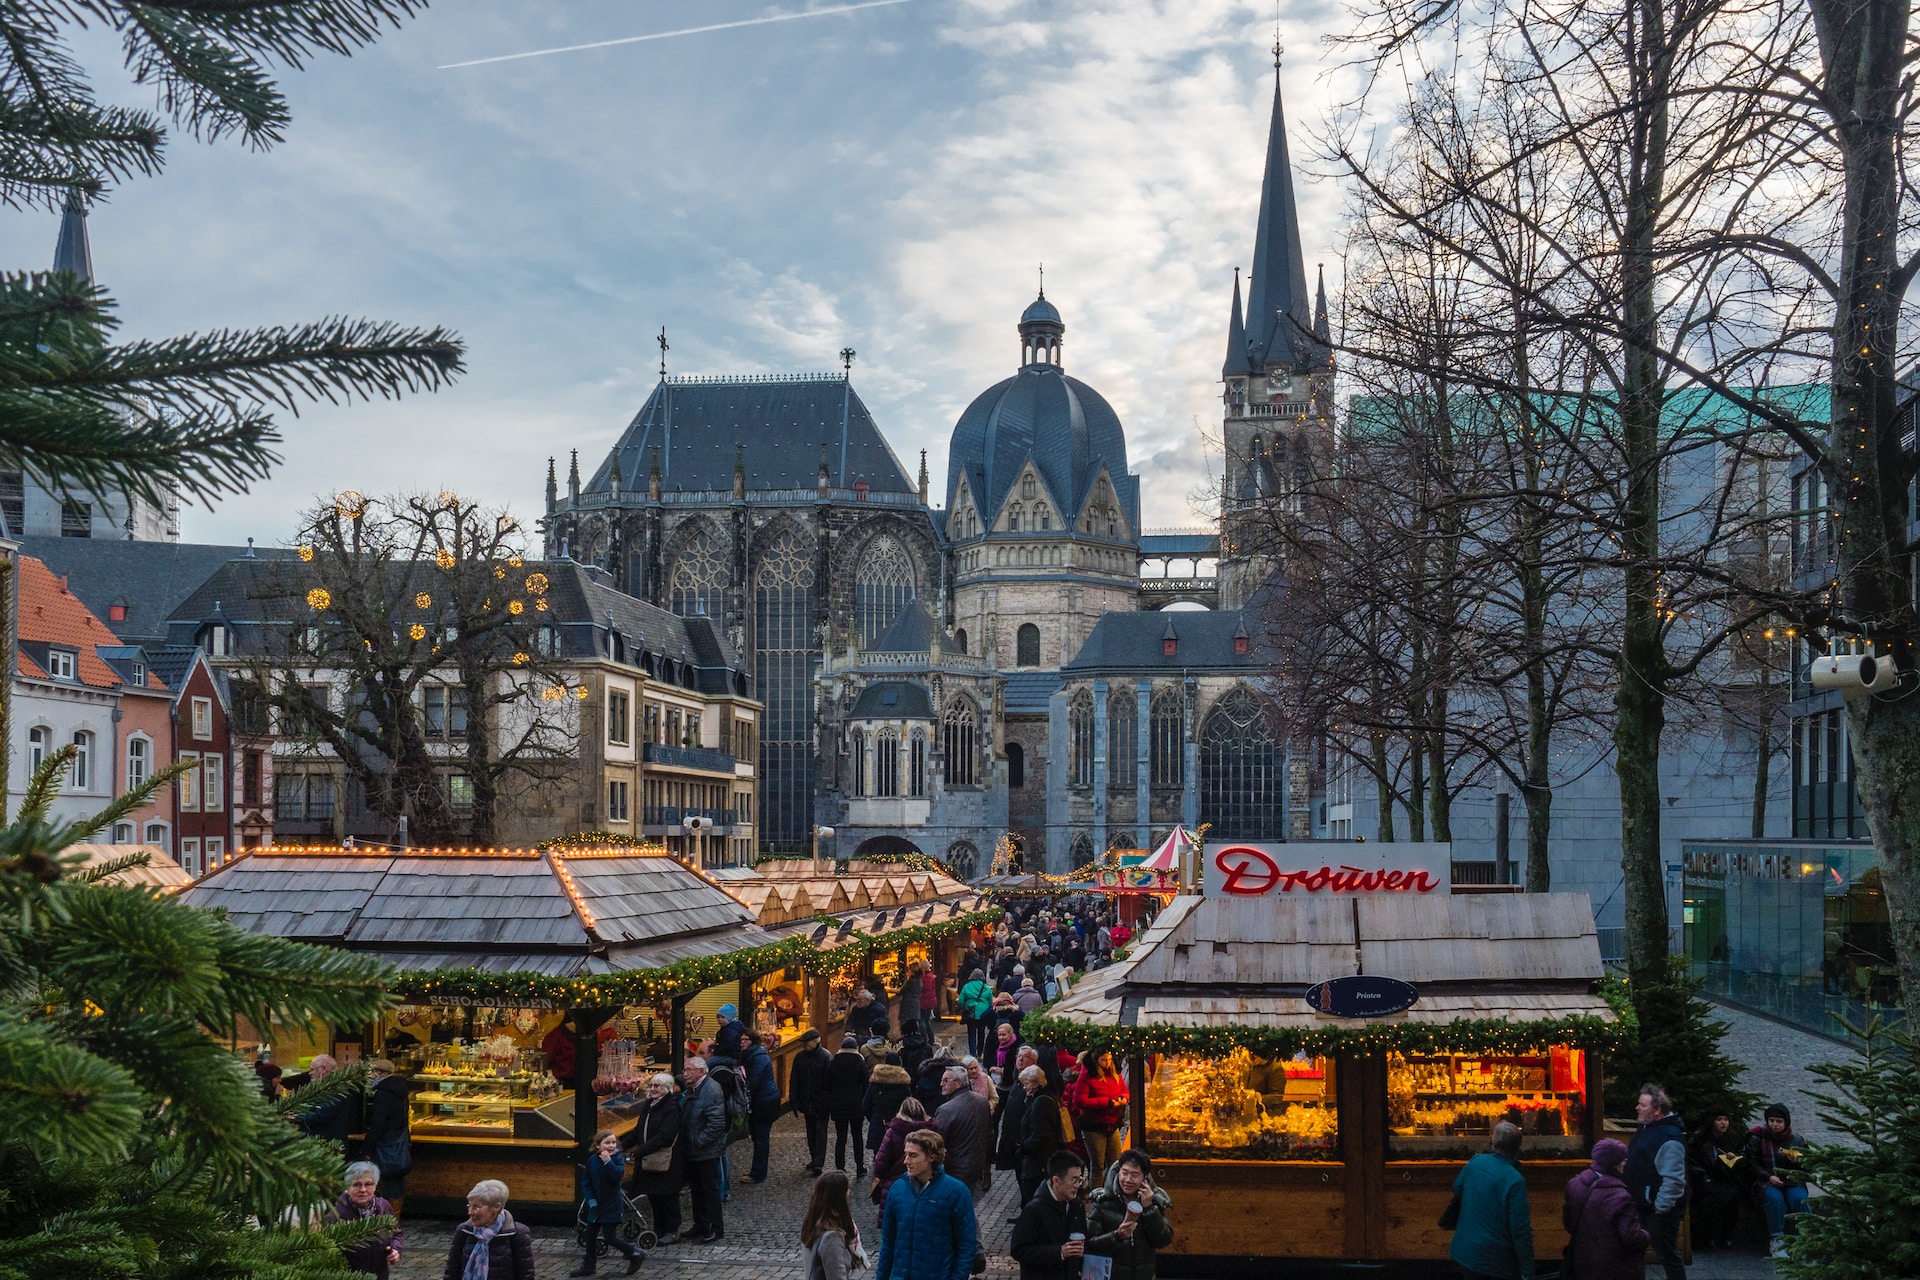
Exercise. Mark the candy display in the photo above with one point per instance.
(1244, 1106)
(1446, 1106)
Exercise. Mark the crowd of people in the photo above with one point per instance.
(1633, 1195)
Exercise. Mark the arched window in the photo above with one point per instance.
(139, 762)
(958, 735)
(1013, 517)
(917, 764)
(80, 776)
(1242, 770)
(156, 833)
(39, 747)
(1080, 852)
(1026, 643)
(857, 762)
(960, 639)
(1016, 765)
(698, 581)
(1166, 750)
(1123, 739)
(882, 587)
(1028, 485)
(886, 763)
(1080, 739)
(783, 609)
(1042, 518)
(962, 859)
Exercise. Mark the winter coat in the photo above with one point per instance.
(875, 1051)
(890, 1161)
(1707, 1163)
(369, 1257)
(1098, 1102)
(331, 1121)
(1027, 999)
(1495, 1235)
(703, 1121)
(847, 1076)
(730, 1039)
(1007, 1120)
(926, 1084)
(1656, 1170)
(658, 1129)
(1044, 1225)
(927, 1233)
(763, 1086)
(887, 1088)
(600, 1188)
(914, 1050)
(830, 1257)
(807, 1082)
(1107, 1209)
(509, 1253)
(1774, 1157)
(1001, 1058)
(966, 1122)
(387, 1140)
(1608, 1240)
(860, 1018)
(1040, 1135)
(929, 992)
(976, 1001)
(909, 1000)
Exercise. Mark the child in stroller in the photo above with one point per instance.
(608, 1218)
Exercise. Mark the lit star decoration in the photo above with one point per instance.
(306, 554)
(521, 659)
(515, 607)
(349, 504)
(540, 606)
(417, 631)
(319, 598)
(423, 601)
(553, 693)
(581, 693)
(515, 561)
(443, 558)
(537, 584)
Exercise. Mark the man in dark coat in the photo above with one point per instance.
(333, 1119)
(703, 1128)
(807, 1095)
(1041, 1133)
(847, 1077)
(1656, 1174)
(966, 1122)
(388, 1136)
(763, 1098)
(1041, 1243)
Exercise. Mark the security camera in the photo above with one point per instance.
(1855, 675)
(696, 824)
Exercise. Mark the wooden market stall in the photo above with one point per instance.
(1284, 1131)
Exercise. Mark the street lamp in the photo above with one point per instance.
(819, 834)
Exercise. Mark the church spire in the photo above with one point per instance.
(1236, 362)
(1322, 330)
(1277, 289)
(73, 253)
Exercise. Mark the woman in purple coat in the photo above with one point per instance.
(1607, 1240)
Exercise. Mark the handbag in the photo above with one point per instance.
(1067, 1134)
(1450, 1216)
(657, 1161)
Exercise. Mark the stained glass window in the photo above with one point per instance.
(783, 609)
(1166, 751)
(882, 587)
(959, 727)
(1123, 738)
(698, 581)
(886, 763)
(1027, 645)
(1242, 769)
(1080, 739)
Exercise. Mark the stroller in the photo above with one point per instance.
(634, 1227)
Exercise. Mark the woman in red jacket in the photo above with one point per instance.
(1098, 1103)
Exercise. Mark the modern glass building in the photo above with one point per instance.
(1795, 929)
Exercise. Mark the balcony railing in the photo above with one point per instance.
(669, 816)
(688, 757)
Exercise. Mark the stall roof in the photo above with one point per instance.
(161, 871)
(555, 913)
(1217, 962)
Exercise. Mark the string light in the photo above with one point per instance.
(423, 601)
(319, 598)
(443, 558)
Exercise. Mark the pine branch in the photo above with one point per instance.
(78, 832)
(57, 1098)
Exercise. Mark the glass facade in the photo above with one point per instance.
(784, 656)
(1794, 929)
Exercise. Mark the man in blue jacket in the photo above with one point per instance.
(1494, 1238)
(928, 1230)
(1657, 1175)
(763, 1099)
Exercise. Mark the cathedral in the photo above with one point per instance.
(939, 670)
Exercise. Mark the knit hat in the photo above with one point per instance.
(849, 1042)
(1607, 1153)
(1779, 1109)
(728, 1013)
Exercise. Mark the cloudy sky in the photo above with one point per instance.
(885, 179)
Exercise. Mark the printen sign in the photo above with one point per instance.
(1356, 996)
(1238, 869)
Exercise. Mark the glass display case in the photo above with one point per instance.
(451, 1106)
(887, 970)
(840, 989)
(1445, 1106)
(1240, 1106)
(780, 1002)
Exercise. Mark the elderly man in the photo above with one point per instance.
(332, 1119)
(1656, 1174)
(1494, 1237)
(966, 1122)
(703, 1127)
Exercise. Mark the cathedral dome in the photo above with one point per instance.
(1067, 427)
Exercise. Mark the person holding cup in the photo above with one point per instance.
(1050, 1239)
(1127, 1218)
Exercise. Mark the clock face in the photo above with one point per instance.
(1279, 384)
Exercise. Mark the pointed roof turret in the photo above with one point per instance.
(553, 485)
(1236, 362)
(1277, 291)
(73, 253)
(1322, 330)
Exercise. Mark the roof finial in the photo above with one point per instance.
(1043, 280)
(847, 355)
(1278, 48)
(662, 340)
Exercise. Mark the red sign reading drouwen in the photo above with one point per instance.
(1247, 872)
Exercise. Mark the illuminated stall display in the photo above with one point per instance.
(1240, 1106)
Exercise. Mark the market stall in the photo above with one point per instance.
(1310, 1070)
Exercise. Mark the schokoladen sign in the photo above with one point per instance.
(1314, 869)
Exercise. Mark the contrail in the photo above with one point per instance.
(685, 31)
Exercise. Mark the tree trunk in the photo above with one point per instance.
(1383, 788)
(1763, 747)
(1539, 801)
(1416, 789)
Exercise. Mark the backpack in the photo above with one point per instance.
(733, 1100)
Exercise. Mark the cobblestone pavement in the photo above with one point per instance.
(1776, 1057)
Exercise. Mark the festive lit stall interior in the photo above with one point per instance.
(1295, 1133)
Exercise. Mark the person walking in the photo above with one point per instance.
(376, 1255)
(1007, 1118)
(1041, 1131)
(1778, 1180)
(1657, 1175)
(980, 1080)
(389, 1141)
(1493, 1239)
(1606, 1240)
(807, 1095)
(927, 1231)
(763, 1104)
(966, 1122)
(847, 1077)
(604, 1204)
(505, 1246)
(910, 992)
(887, 1087)
(1097, 1101)
(890, 1160)
(976, 1006)
(1127, 1218)
(658, 1157)
(1721, 1176)
(1050, 1237)
(703, 1128)
(929, 999)
(929, 1081)
(827, 1232)
(1001, 1058)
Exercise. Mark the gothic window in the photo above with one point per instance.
(962, 859)
(1016, 765)
(1026, 643)
(1166, 752)
(960, 639)
(1043, 518)
(886, 763)
(697, 583)
(783, 608)
(1080, 853)
(857, 763)
(1123, 723)
(882, 587)
(917, 765)
(1242, 769)
(1013, 518)
(1028, 486)
(1080, 740)
(959, 731)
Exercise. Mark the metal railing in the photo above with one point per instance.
(687, 757)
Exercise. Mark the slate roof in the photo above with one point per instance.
(549, 913)
(911, 632)
(1204, 641)
(1277, 286)
(51, 615)
(150, 578)
(781, 421)
(893, 700)
(1027, 691)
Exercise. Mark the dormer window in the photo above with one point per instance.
(860, 491)
(1170, 646)
(1241, 644)
(63, 664)
(139, 670)
(218, 641)
(116, 613)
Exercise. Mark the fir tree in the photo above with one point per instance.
(1677, 1046)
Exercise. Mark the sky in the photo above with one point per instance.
(887, 179)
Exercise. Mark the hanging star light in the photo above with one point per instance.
(537, 584)
(516, 608)
(423, 601)
(319, 598)
(306, 554)
(417, 632)
(443, 558)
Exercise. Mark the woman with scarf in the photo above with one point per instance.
(1721, 1175)
(376, 1254)
(489, 1245)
